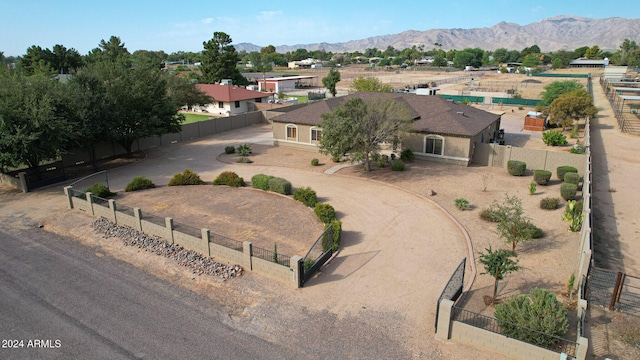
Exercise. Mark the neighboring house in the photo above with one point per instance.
(442, 131)
(229, 99)
(286, 83)
(584, 62)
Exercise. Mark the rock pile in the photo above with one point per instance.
(197, 262)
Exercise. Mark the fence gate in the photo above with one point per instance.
(614, 290)
(319, 253)
(453, 289)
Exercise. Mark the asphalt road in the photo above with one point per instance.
(81, 304)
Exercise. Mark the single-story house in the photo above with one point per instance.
(286, 83)
(584, 62)
(229, 99)
(442, 130)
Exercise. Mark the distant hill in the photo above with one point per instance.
(560, 32)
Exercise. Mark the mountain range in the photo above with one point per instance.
(566, 32)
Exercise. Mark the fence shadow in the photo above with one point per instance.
(341, 267)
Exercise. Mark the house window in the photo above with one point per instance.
(220, 105)
(258, 100)
(316, 134)
(292, 132)
(237, 104)
(434, 144)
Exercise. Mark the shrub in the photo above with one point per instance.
(336, 229)
(568, 191)
(539, 311)
(244, 160)
(314, 162)
(397, 165)
(578, 149)
(574, 131)
(308, 264)
(573, 215)
(536, 232)
(379, 159)
(229, 150)
(461, 203)
(572, 178)
(306, 195)
(325, 212)
(244, 150)
(229, 178)
(407, 155)
(561, 170)
(187, 177)
(100, 190)
(554, 138)
(260, 181)
(490, 214)
(139, 183)
(532, 188)
(549, 203)
(279, 185)
(541, 177)
(516, 168)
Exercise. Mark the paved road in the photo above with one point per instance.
(92, 306)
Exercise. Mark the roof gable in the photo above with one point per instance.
(431, 114)
(228, 93)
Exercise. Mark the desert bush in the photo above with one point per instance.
(461, 203)
(229, 150)
(549, 203)
(541, 177)
(407, 155)
(554, 138)
(561, 170)
(187, 177)
(379, 159)
(306, 195)
(516, 168)
(279, 185)
(260, 181)
(573, 215)
(325, 212)
(244, 150)
(100, 190)
(315, 162)
(490, 214)
(397, 165)
(532, 188)
(229, 178)
(539, 311)
(568, 191)
(578, 149)
(244, 160)
(139, 183)
(574, 131)
(536, 232)
(572, 178)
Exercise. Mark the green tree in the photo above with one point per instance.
(540, 311)
(261, 61)
(219, 59)
(557, 64)
(113, 50)
(531, 60)
(497, 264)
(500, 56)
(35, 121)
(466, 58)
(184, 92)
(369, 84)
(513, 226)
(358, 126)
(331, 80)
(149, 57)
(593, 53)
(439, 60)
(571, 106)
(557, 88)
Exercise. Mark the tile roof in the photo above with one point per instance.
(432, 114)
(227, 93)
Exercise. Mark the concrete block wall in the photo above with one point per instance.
(191, 242)
(155, 229)
(127, 220)
(272, 270)
(229, 255)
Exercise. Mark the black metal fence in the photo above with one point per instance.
(515, 331)
(225, 241)
(319, 253)
(100, 201)
(272, 256)
(84, 183)
(187, 229)
(453, 289)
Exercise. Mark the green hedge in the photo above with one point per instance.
(229, 178)
(336, 229)
(306, 195)
(541, 177)
(549, 203)
(572, 178)
(561, 170)
(100, 190)
(260, 181)
(187, 177)
(279, 185)
(568, 191)
(139, 183)
(325, 212)
(516, 168)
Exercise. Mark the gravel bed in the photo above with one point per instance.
(198, 263)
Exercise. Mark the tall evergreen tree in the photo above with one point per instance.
(219, 60)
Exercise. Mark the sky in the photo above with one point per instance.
(183, 25)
